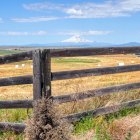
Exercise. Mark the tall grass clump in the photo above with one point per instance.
(45, 123)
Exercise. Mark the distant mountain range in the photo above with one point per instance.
(130, 44)
(69, 45)
(66, 44)
(89, 44)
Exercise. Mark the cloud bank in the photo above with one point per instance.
(107, 9)
(34, 19)
(86, 33)
(15, 33)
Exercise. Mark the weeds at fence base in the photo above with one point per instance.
(45, 123)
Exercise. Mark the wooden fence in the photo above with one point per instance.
(42, 77)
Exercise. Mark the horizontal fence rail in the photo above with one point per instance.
(95, 93)
(19, 127)
(71, 53)
(43, 76)
(93, 72)
(16, 104)
(16, 57)
(15, 127)
(93, 51)
(19, 80)
(72, 97)
(103, 110)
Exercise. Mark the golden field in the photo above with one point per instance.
(73, 85)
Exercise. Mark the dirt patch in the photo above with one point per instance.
(90, 135)
(46, 124)
(126, 128)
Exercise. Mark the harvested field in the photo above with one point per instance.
(64, 87)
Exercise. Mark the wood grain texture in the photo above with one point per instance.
(37, 75)
(46, 73)
(93, 72)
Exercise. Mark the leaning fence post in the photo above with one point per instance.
(41, 74)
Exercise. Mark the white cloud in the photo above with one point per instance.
(104, 10)
(43, 6)
(74, 11)
(14, 33)
(44, 33)
(109, 8)
(86, 33)
(97, 32)
(76, 39)
(34, 19)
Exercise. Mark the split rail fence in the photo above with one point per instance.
(42, 77)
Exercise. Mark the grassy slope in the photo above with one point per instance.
(72, 86)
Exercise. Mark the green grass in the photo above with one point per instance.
(84, 125)
(11, 136)
(75, 60)
(8, 52)
(100, 124)
(13, 115)
(122, 113)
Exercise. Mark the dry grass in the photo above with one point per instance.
(75, 85)
(46, 123)
(87, 136)
(126, 127)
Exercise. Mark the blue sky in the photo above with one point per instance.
(48, 21)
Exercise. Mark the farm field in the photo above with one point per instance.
(73, 86)
(8, 51)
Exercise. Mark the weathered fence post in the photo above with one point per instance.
(41, 74)
(37, 75)
(46, 73)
